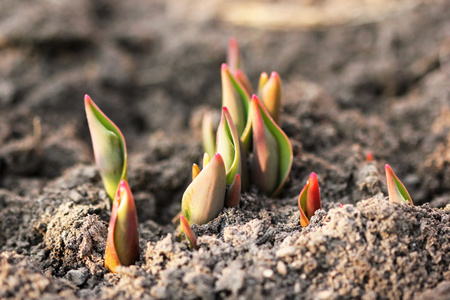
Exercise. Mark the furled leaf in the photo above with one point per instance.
(195, 171)
(233, 55)
(309, 200)
(122, 246)
(208, 137)
(228, 145)
(396, 189)
(262, 81)
(204, 198)
(109, 147)
(235, 98)
(270, 95)
(266, 153)
(206, 159)
(188, 233)
(267, 135)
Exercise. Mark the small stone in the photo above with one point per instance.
(327, 294)
(281, 268)
(77, 277)
(267, 273)
(286, 251)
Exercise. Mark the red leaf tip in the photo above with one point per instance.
(254, 97)
(225, 109)
(233, 42)
(224, 66)
(87, 100)
(218, 156)
(274, 75)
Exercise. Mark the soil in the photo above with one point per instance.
(380, 86)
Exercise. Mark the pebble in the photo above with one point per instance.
(77, 277)
(286, 251)
(268, 273)
(281, 268)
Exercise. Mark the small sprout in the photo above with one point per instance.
(369, 157)
(109, 147)
(188, 233)
(396, 189)
(262, 81)
(206, 159)
(195, 171)
(272, 150)
(233, 195)
(234, 55)
(204, 198)
(208, 137)
(269, 91)
(309, 200)
(122, 245)
(236, 98)
(228, 145)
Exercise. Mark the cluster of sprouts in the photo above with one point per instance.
(247, 148)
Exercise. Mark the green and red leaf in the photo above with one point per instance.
(267, 131)
(188, 233)
(204, 198)
(396, 189)
(122, 245)
(109, 147)
(309, 200)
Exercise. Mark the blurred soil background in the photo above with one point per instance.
(358, 77)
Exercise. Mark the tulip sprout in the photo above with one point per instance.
(272, 150)
(309, 200)
(269, 91)
(188, 233)
(204, 198)
(396, 189)
(122, 245)
(109, 147)
(236, 98)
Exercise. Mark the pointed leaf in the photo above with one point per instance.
(122, 246)
(233, 196)
(204, 198)
(309, 200)
(285, 154)
(233, 54)
(270, 96)
(195, 171)
(209, 141)
(396, 189)
(236, 103)
(206, 159)
(109, 147)
(265, 149)
(188, 233)
(228, 145)
(262, 82)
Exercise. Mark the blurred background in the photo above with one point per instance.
(151, 65)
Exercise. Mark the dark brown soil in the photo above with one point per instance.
(380, 87)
